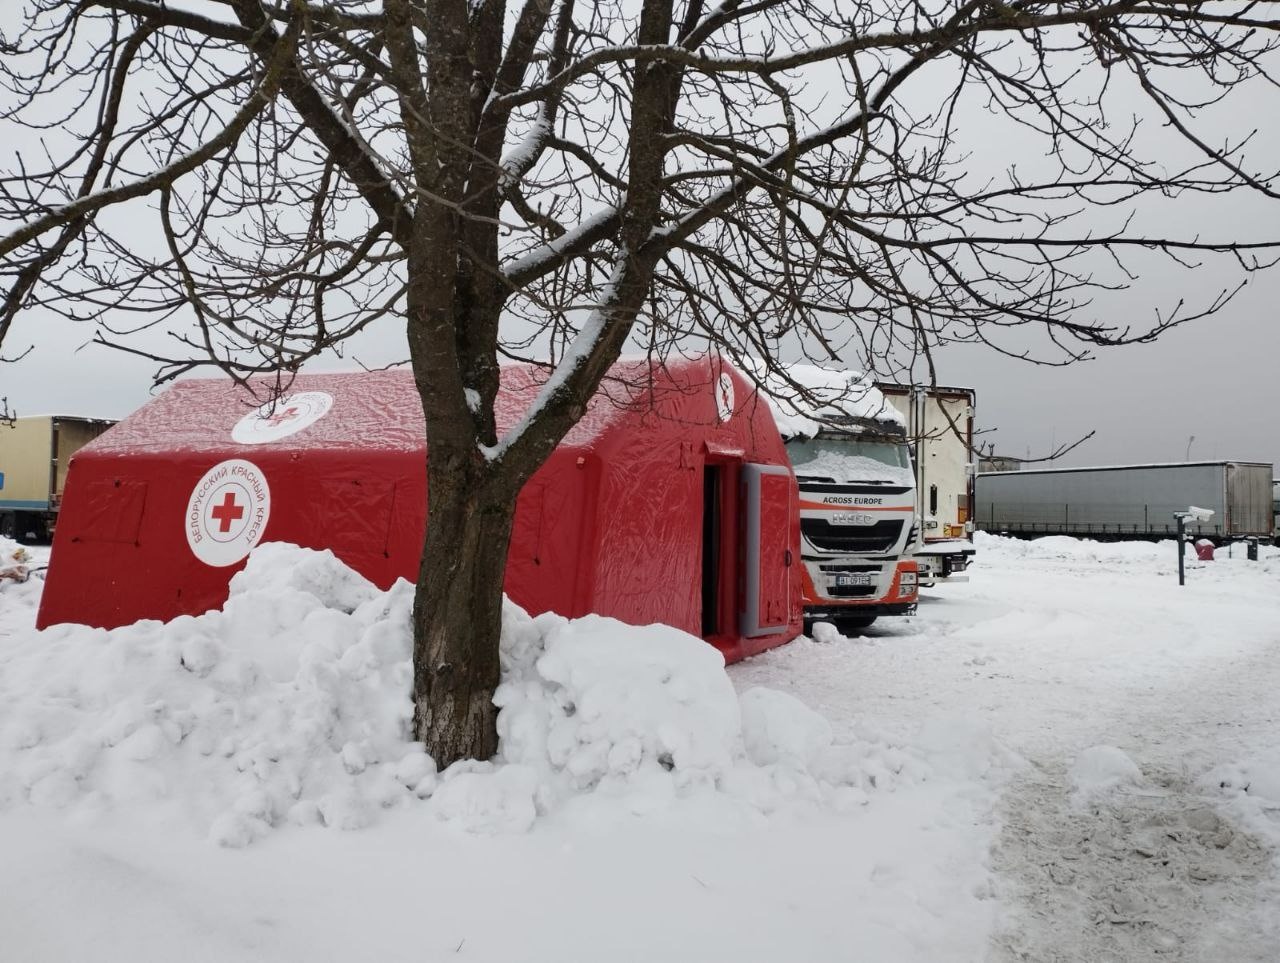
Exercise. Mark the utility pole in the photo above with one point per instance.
(1182, 548)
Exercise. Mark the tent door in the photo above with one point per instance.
(712, 532)
(721, 538)
(767, 559)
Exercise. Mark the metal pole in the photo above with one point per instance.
(1182, 550)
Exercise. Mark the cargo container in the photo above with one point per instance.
(940, 431)
(35, 452)
(1128, 501)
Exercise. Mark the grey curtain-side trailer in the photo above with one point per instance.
(1128, 501)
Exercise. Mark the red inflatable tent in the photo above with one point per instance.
(671, 501)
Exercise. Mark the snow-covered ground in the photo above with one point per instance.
(1066, 758)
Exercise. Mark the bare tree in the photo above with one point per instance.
(556, 180)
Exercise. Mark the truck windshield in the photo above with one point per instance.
(851, 460)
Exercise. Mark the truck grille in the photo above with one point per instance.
(851, 539)
(833, 591)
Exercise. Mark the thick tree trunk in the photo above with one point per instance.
(457, 617)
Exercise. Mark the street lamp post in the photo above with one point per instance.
(1200, 515)
(1182, 548)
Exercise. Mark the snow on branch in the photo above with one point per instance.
(535, 262)
(580, 349)
(521, 158)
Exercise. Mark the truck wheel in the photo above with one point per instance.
(6, 525)
(29, 528)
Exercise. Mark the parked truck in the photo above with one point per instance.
(939, 426)
(1128, 501)
(852, 462)
(35, 452)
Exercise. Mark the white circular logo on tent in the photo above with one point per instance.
(724, 396)
(227, 512)
(288, 416)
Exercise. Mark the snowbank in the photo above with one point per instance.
(291, 705)
(1063, 553)
(18, 600)
(1055, 547)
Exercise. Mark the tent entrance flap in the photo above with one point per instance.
(767, 558)
(712, 527)
(720, 547)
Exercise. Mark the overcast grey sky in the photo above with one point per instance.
(1214, 379)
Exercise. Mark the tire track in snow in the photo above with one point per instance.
(1156, 871)
(1142, 873)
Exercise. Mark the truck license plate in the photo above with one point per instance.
(847, 581)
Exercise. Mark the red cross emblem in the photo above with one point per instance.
(227, 512)
(282, 416)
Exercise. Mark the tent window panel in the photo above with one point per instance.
(114, 511)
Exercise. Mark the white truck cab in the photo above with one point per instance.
(851, 455)
(857, 513)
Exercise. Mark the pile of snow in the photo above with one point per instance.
(287, 706)
(1250, 790)
(1065, 548)
(1257, 777)
(1267, 552)
(1064, 553)
(804, 397)
(1102, 768)
(291, 705)
(18, 600)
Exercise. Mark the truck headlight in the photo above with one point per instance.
(907, 583)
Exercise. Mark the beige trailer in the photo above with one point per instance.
(35, 453)
(940, 431)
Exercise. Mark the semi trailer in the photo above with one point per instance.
(1128, 501)
(35, 452)
(939, 427)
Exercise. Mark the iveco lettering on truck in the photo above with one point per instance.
(849, 451)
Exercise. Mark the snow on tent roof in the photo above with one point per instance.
(371, 410)
(836, 394)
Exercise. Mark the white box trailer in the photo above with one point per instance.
(940, 429)
(1128, 501)
(35, 452)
